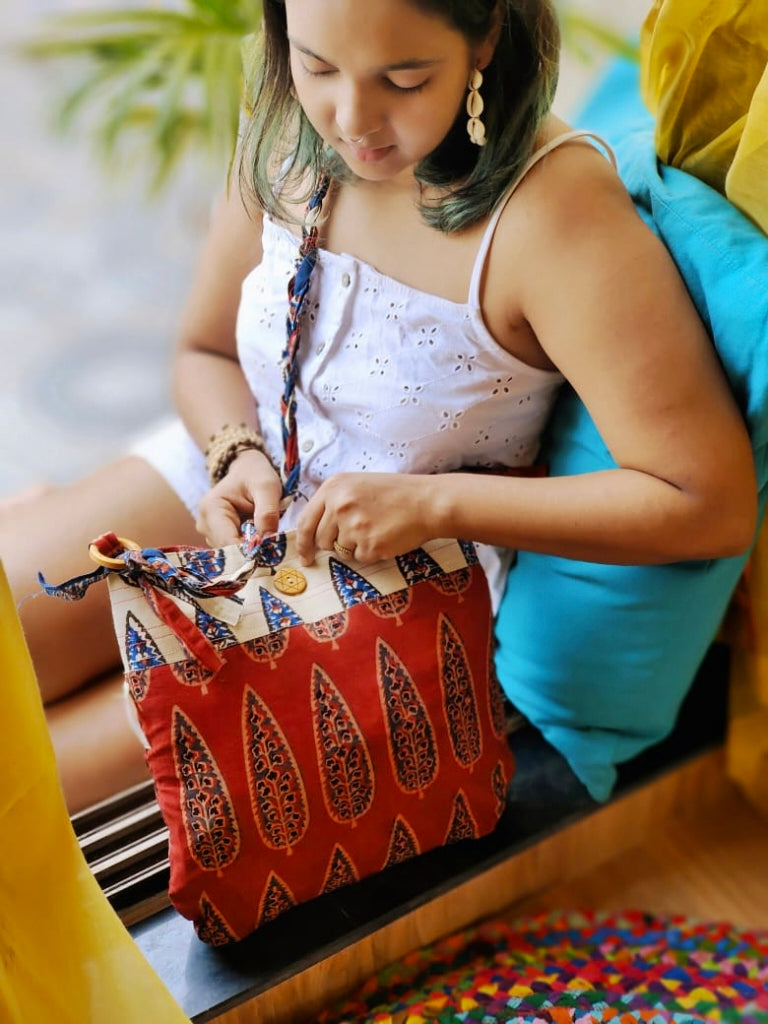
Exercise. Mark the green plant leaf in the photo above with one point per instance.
(174, 75)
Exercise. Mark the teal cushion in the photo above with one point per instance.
(600, 657)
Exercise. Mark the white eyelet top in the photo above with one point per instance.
(391, 379)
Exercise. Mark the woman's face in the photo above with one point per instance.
(379, 80)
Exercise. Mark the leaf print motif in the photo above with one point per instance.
(212, 831)
(341, 870)
(455, 582)
(462, 824)
(278, 614)
(417, 565)
(268, 647)
(329, 629)
(211, 925)
(138, 683)
(470, 552)
(346, 770)
(141, 651)
(276, 899)
(459, 702)
(191, 673)
(496, 701)
(351, 587)
(499, 783)
(410, 734)
(403, 843)
(218, 632)
(278, 798)
(392, 606)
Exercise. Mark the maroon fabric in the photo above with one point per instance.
(321, 753)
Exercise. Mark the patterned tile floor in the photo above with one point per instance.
(93, 275)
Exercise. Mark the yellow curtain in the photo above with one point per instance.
(704, 75)
(65, 956)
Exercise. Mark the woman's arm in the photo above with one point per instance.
(606, 302)
(612, 313)
(208, 384)
(210, 390)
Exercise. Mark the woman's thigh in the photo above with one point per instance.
(72, 643)
(97, 752)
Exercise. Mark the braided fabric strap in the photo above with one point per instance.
(298, 286)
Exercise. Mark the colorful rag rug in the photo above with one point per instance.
(586, 967)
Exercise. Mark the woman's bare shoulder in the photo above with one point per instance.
(570, 207)
(574, 181)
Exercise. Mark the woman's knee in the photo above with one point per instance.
(71, 643)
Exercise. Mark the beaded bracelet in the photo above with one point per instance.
(226, 444)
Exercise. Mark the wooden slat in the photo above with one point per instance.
(100, 814)
(131, 858)
(121, 829)
(125, 843)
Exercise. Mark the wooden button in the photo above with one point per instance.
(290, 581)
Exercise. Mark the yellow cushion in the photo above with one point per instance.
(705, 78)
(65, 956)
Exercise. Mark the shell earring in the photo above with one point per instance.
(475, 107)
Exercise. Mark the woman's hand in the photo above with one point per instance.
(370, 515)
(250, 490)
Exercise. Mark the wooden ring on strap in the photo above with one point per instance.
(104, 549)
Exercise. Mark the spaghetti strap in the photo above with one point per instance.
(485, 241)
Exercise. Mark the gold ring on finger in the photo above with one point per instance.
(340, 549)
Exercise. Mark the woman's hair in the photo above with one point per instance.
(518, 89)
